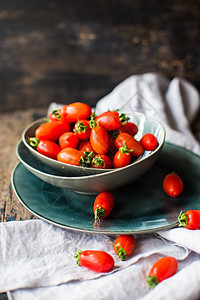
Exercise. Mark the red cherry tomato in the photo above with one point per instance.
(47, 148)
(85, 146)
(70, 156)
(149, 142)
(99, 140)
(101, 161)
(190, 219)
(55, 115)
(82, 129)
(103, 205)
(75, 111)
(129, 127)
(109, 120)
(173, 185)
(122, 157)
(131, 143)
(97, 261)
(68, 139)
(163, 268)
(124, 246)
(51, 131)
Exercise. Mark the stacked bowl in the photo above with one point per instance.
(87, 180)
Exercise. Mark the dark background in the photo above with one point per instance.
(65, 51)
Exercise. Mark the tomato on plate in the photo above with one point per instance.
(68, 139)
(51, 130)
(70, 156)
(163, 268)
(47, 148)
(124, 246)
(103, 205)
(173, 185)
(149, 142)
(101, 161)
(82, 129)
(122, 157)
(131, 143)
(190, 219)
(95, 260)
(99, 140)
(75, 111)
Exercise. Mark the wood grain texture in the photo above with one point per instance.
(64, 50)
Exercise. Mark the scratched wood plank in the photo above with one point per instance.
(12, 126)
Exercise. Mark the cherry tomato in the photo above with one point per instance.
(122, 157)
(75, 111)
(109, 120)
(55, 115)
(131, 143)
(97, 261)
(99, 140)
(101, 161)
(70, 156)
(103, 205)
(173, 185)
(129, 127)
(47, 148)
(190, 219)
(149, 142)
(124, 246)
(68, 139)
(51, 131)
(82, 129)
(163, 268)
(85, 146)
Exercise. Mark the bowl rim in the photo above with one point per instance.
(86, 168)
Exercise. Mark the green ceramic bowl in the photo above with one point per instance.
(145, 125)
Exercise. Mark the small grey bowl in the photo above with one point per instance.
(145, 125)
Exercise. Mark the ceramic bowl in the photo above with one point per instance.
(145, 125)
(89, 184)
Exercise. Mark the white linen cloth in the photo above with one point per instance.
(36, 258)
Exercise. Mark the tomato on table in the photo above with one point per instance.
(47, 148)
(149, 142)
(101, 161)
(124, 246)
(82, 129)
(51, 130)
(75, 111)
(190, 219)
(68, 139)
(103, 205)
(173, 185)
(95, 260)
(163, 268)
(131, 143)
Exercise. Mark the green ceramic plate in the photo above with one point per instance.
(140, 207)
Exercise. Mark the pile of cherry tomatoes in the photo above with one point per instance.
(76, 136)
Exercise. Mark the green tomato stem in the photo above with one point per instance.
(77, 255)
(33, 142)
(121, 252)
(99, 213)
(182, 219)
(152, 281)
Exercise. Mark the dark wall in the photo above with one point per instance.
(60, 50)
